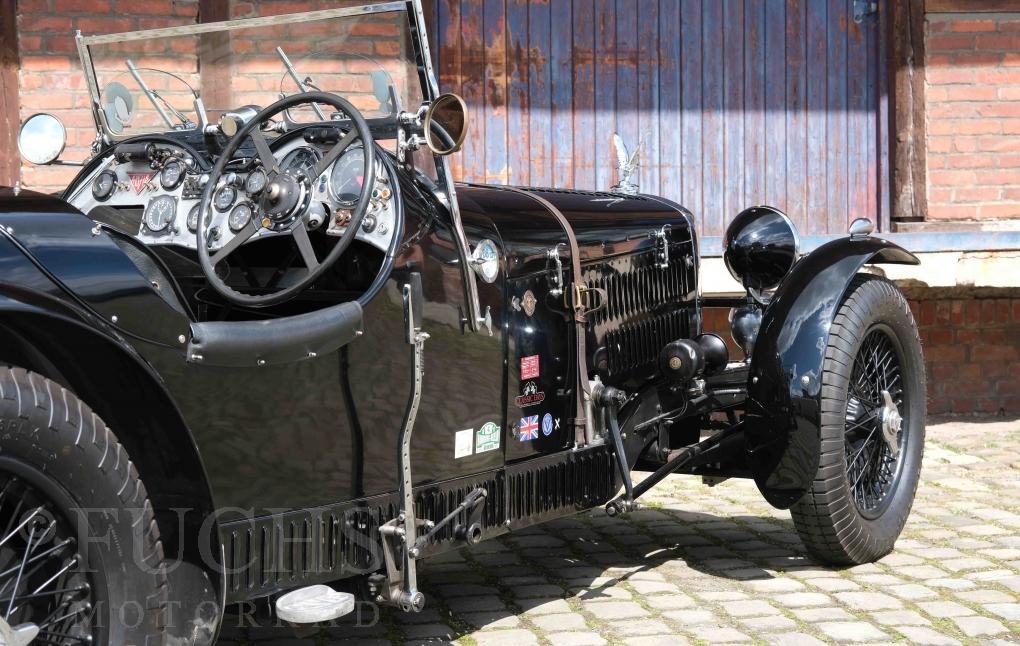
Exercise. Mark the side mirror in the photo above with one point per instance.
(446, 124)
(42, 138)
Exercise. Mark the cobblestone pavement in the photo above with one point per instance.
(718, 565)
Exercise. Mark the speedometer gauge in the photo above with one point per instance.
(300, 161)
(240, 216)
(348, 177)
(193, 218)
(256, 181)
(171, 175)
(224, 198)
(159, 213)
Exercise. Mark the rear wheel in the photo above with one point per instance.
(80, 556)
(873, 416)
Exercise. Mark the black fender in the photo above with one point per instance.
(783, 439)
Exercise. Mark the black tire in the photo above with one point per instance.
(862, 493)
(57, 456)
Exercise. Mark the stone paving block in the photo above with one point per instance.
(769, 624)
(985, 596)
(835, 585)
(491, 620)
(543, 590)
(939, 609)
(656, 640)
(653, 587)
(572, 621)
(686, 617)
(794, 639)
(1009, 611)
(899, 618)
(576, 639)
(869, 600)
(775, 585)
(481, 602)
(926, 636)
(422, 631)
(979, 626)
(515, 637)
(608, 610)
(543, 606)
(639, 627)
(802, 599)
(912, 591)
(751, 608)
(814, 615)
(852, 631)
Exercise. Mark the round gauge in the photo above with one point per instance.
(224, 198)
(239, 217)
(193, 218)
(160, 212)
(300, 161)
(171, 175)
(103, 185)
(348, 177)
(256, 182)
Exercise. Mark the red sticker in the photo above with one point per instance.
(139, 180)
(529, 367)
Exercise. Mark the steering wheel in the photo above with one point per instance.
(284, 203)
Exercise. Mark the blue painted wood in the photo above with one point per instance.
(691, 77)
(562, 125)
(671, 129)
(742, 101)
(713, 118)
(649, 84)
(518, 60)
(540, 94)
(605, 91)
(495, 52)
(585, 148)
(734, 111)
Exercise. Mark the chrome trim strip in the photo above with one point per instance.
(242, 23)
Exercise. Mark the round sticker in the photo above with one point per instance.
(547, 425)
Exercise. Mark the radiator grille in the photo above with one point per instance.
(646, 307)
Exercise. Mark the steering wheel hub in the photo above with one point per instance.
(284, 198)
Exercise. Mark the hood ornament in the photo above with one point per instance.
(627, 166)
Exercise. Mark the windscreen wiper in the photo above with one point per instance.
(302, 85)
(156, 100)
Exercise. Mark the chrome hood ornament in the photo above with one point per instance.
(627, 166)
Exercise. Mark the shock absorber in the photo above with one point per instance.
(612, 399)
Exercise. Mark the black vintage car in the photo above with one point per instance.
(277, 353)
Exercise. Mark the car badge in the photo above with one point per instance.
(528, 302)
(140, 180)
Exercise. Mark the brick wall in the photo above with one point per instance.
(50, 77)
(972, 69)
(971, 352)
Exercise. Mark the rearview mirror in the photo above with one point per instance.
(42, 138)
(446, 124)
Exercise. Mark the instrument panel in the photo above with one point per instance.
(162, 194)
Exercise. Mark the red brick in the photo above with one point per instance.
(940, 335)
(942, 371)
(953, 353)
(963, 405)
(970, 371)
(994, 369)
(972, 26)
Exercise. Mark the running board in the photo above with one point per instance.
(313, 605)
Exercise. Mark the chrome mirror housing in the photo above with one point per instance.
(445, 124)
(42, 138)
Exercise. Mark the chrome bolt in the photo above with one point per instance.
(261, 362)
(113, 318)
(182, 339)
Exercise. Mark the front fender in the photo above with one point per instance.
(784, 385)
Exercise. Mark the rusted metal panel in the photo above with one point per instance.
(740, 102)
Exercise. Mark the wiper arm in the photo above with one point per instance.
(153, 96)
(302, 85)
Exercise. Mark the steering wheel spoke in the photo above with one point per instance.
(304, 245)
(265, 154)
(234, 243)
(334, 152)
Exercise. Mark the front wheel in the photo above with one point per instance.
(872, 432)
(80, 556)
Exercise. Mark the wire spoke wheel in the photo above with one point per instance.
(872, 465)
(43, 582)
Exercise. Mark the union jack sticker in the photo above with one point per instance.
(528, 428)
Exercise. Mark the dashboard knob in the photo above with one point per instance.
(368, 224)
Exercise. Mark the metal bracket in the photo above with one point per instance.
(864, 8)
(553, 257)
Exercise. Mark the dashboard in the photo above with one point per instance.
(155, 189)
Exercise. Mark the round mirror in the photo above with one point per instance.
(42, 138)
(446, 124)
(118, 106)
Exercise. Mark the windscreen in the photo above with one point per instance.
(149, 83)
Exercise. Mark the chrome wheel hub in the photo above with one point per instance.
(891, 422)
